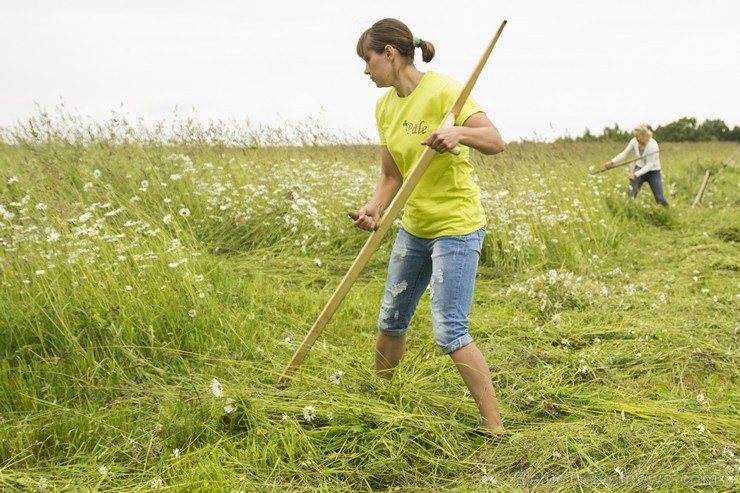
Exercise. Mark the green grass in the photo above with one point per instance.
(135, 270)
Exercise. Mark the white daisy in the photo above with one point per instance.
(336, 377)
(309, 413)
(230, 406)
(216, 388)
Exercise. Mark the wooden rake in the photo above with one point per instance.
(373, 242)
(623, 163)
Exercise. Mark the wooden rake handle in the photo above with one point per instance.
(375, 238)
(623, 163)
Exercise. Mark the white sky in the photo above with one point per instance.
(559, 66)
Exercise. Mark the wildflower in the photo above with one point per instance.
(284, 417)
(103, 470)
(97, 173)
(156, 484)
(176, 452)
(309, 413)
(144, 185)
(700, 397)
(317, 261)
(40, 272)
(52, 236)
(488, 479)
(336, 377)
(167, 219)
(175, 177)
(184, 212)
(619, 471)
(192, 313)
(565, 342)
(700, 428)
(583, 369)
(230, 406)
(216, 388)
(12, 179)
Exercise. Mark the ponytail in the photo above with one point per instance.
(395, 33)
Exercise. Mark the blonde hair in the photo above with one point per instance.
(644, 130)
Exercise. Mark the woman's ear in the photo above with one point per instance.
(388, 50)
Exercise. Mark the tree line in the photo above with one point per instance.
(685, 129)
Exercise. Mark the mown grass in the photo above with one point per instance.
(135, 270)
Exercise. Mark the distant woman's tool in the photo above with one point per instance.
(623, 163)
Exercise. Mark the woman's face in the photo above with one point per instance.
(642, 138)
(378, 66)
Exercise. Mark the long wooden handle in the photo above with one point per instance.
(373, 242)
(623, 163)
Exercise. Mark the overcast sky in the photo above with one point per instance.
(559, 67)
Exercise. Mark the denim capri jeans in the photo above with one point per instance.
(450, 263)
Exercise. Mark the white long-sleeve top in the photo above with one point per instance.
(646, 164)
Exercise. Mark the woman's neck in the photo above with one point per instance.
(407, 79)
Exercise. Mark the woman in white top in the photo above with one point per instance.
(645, 169)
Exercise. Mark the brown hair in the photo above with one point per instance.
(395, 33)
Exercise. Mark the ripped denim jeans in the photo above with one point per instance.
(450, 263)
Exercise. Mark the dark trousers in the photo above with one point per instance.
(656, 185)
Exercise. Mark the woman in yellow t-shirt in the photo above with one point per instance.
(443, 225)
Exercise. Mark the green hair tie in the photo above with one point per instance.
(417, 42)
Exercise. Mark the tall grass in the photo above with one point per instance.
(154, 282)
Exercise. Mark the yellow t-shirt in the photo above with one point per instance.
(447, 200)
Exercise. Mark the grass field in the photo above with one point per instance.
(151, 293)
